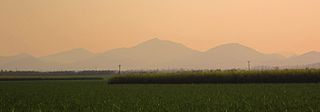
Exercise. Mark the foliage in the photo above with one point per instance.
(228, 76)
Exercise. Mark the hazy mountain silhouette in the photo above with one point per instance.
(158, 54)
(234, 55)
(24, 62)
(304, 59)
(8, 59)
(316, 65)
(154, 53)
(67, 57)
(287, 54)
(163, 54)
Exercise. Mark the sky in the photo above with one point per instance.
(42, 27)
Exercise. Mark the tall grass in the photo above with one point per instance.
(229, 76)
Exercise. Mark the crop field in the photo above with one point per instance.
(97, 95)
(218, 76)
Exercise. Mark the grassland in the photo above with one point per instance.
(269, 91)
(94, 95)
(218, 76)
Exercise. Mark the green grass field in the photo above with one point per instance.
(97, 95)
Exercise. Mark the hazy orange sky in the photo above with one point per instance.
(41, 27)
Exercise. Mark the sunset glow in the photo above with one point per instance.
(42, 27)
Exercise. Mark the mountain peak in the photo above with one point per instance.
(79, 49)
(154, 40)
(232, 47)
(311, 53)
(157, 43)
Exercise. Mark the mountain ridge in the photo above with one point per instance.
(69, 56)
(162, 54)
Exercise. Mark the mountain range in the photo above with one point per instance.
(159, 54)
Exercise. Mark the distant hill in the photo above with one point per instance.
(154, 53)
(159, 54)
(235, 55)
(304, 59)
(8, 59)
(68, 57)
(24, 62)
(316, 65)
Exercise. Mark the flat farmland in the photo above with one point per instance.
(97, 95)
